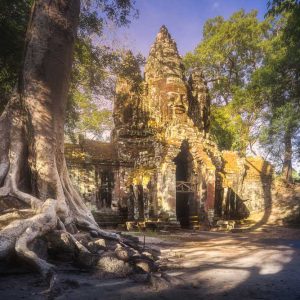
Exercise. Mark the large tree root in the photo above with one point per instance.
(33, 171)
(19, 234)
(67, 214)
(42, 223)
(47, 218)
(11, 215)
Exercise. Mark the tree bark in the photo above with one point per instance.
(287, 162)
(32, 165)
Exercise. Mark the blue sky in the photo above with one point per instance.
(184, 19)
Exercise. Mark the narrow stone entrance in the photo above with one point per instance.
(184, 188)
(104, 195)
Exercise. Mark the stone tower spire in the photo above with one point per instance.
(127, 110)
(199, 100)
(164, 60)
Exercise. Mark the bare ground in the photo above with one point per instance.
(264, 264)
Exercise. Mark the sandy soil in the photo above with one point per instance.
(211, 265)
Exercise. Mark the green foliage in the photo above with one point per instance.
(296, 176)
(129, 68)
(92, 82)
(91, 89)
(14, 15)
(94, 68)
(231, 50)
(224, 127)
(279, 78)
(97, 12)
(277, 7)
(253, 71)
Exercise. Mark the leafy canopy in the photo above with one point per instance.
(279, 78)
(92, 83)
(230, 51)
(14, 16)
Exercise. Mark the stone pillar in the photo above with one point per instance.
(199, 190)
(136, 202)
(153, 198)
(146, 202)
(166, 190)
(225, 202)
(194, 198)
(210, 200)
(130, 203)
(140, 201)
(115, 192)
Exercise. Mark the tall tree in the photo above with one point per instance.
(33, 172)
(95, 66)
(279, 80)
(276, 7)
(230, 51)
(95, 62)
(14, 16)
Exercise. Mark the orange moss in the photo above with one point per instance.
(231, 164)
(257, 167)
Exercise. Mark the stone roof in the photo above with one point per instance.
(256, 167)
(163, 60)
(90, 150)
(231, 162)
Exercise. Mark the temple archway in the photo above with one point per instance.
(184, 188)
(104, 195)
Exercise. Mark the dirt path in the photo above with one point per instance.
(211, 265)
(230, 266)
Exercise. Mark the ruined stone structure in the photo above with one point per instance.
(161, 165)
(245, 186)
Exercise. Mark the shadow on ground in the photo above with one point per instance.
(198, 265)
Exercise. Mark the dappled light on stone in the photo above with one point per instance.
(161, 168)
(162, 210)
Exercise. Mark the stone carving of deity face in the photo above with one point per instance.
(176, 103)
(176, 97)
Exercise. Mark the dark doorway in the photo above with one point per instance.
(105, 190)
(184, 196)
(140, 199)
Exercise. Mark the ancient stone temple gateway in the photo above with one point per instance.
(161, 165)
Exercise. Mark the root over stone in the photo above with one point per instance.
(37, 198)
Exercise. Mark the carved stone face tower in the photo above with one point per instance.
(161, 125)
(166, 90)
(161, 165)
(164, 96)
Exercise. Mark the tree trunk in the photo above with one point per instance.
(287, 162)
(33, 172)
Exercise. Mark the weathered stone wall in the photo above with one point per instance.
(199, 101)
(169, 111)
(256, 189)
(155, 118)
(99, 176)
(85, 181)
(246, 185)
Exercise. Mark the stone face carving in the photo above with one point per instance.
(164, 60)
(166, 88)
(127, 110)
(173, 111)
(164, 165)
(199, 101)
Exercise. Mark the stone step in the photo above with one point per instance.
(108, 218)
